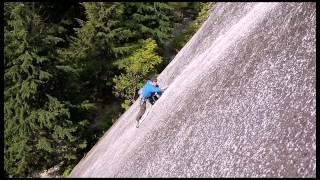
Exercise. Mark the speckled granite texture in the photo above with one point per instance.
(241, 102)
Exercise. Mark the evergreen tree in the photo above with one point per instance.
(110, 32)
(149, 20)
(38, 130)
(144, 20)
(138, 67)
(99, 40)
(52, 78)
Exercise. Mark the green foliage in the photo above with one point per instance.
(38, 129)
(98, 42)
(107, 116)
(60, 73)
(179, 9)
(203, 14)
(179, 6)
(149, 20)
(67, 171)
(138, 67)
(111, 32)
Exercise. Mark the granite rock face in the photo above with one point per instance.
(241, 102)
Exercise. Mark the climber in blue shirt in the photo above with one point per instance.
(150, 89)
(150, 92)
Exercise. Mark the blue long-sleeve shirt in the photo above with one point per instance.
(148, 90)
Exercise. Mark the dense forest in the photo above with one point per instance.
(71, 69)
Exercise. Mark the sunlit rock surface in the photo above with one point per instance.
(240, 103)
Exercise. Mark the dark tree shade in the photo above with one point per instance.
(38, 127)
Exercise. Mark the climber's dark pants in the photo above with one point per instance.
(143, 105)
(142, 109)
